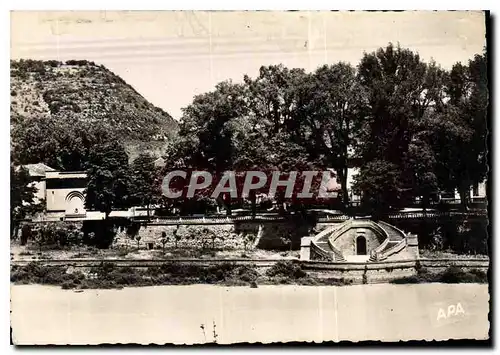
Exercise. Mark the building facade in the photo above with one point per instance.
(63, 192)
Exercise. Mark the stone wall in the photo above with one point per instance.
(185, 236)
(347, 241)
(266, 235)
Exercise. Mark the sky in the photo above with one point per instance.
(170, 56)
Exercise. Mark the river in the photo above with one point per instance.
(174, 314)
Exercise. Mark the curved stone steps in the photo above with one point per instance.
(325, 246)
(392, 233)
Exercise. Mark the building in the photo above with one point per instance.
(63, 192)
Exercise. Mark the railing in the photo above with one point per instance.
(390, 226)
(338, 232)
(327, 231)
(316, 249)
(395, 249)
(374, 255)
(338, 254)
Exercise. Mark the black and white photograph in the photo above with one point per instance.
(249, 177)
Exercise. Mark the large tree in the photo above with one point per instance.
(108, 187)
(400, 90)
(22, 197)
(328, 113)
(61, 143)
(144, 181)
(458, 130)
(206, 131)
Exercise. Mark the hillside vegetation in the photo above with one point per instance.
(86, 93)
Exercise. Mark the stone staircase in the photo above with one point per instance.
(392, 240)
(392, 233)
(327, 249)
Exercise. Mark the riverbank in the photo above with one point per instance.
(105, 275)
(175, 314)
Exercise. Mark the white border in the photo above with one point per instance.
(186, 5)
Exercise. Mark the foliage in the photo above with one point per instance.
(286, 269)
(145, 185)
(452, 275)
(109, 179)
(413, 129)
(400, 91)
(63, 144)
(460, 128)
(22, 196)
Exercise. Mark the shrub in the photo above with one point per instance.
(453, 274)
(479, 275)
(286, 268)
(406, 280)
(50, 275)
(246, 273)
(13, 93)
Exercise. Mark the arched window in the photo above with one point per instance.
(361, 245)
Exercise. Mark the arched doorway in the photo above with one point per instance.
(75, 204)
(360, 245)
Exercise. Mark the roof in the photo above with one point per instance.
(38, 169)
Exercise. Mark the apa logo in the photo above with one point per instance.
(452, 311)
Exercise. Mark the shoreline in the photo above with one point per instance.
(107, 275)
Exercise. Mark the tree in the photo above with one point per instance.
(164, 240)
(379, 181)
(275, 139)
(108, 186)
(206, 134)
(459, 130)
(421, 163)
(328, 112)
(248, 239)
(177, 236)
(109, 181)
(62, 143)
(22, 197)
(400, 90)
(145, 186)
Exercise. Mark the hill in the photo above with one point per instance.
(85, 91)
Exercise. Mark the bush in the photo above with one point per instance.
(48, 275)
(287, 269)
(452, 274)
(406, 280)
(246, 273)
(456, 275)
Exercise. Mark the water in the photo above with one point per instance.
(174, 314)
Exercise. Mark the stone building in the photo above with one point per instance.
(63, 193)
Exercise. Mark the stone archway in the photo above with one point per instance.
(361, 245)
